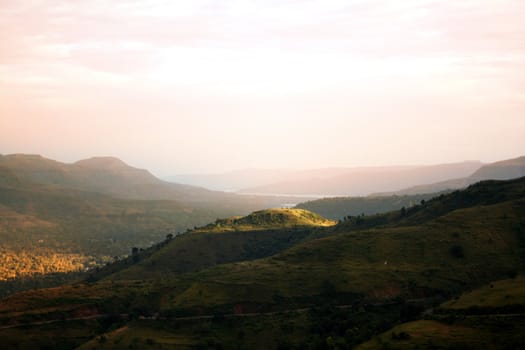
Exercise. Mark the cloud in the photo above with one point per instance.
(235, 62)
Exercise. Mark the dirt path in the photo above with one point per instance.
(186, 318)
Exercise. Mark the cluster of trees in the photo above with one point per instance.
(25, 264)
(340, 207)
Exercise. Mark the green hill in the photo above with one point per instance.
(269, 219)
(260, 234)
(297, 287)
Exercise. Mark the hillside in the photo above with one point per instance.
(106, 175)
(112, 177)
(364, 181)
(49, 230)
(492, 316)
(338, 208)
(260, 234)
(332, 285)
(269, 219)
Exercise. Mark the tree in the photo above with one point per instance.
(457, 251)
(135, 254)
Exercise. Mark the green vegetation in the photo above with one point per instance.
(492, 316)
(269, 219)
(344, 208)
(310, 284)
(498, 294)
(64, 218)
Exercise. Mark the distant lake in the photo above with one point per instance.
(290, 195)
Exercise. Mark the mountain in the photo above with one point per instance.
(248, 178)
(364, 181)
(298, 286)
(112, 177)
(234, 180)
(502, 170)
(106, 175)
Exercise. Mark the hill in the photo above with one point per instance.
(314, 286)
(503, 170)
(492, 316)
(269, 219)
(106, 175)
(260, 234)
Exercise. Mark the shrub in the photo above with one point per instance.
(457, 251)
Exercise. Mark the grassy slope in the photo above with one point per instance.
(381, 264)
(257, 235)
(491, 326)
(419, 263)
(498, 294)
(340, 207)
(269, 219)
(45, 231)
(343, 264)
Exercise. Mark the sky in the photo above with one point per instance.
(209, 86)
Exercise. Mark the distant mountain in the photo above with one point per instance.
(247, 178)
(234, 180)
(106, 175)
(502, 170)
(111, 176)
(364, 181)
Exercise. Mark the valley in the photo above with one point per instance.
(287, 278)
(68, 218)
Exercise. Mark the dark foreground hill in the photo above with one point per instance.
(303, 286)
(490, 317)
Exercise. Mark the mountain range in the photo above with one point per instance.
(359, 181)
(501, 170)
(341, 207)
(329, 181)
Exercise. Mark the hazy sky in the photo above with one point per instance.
(193, 86)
